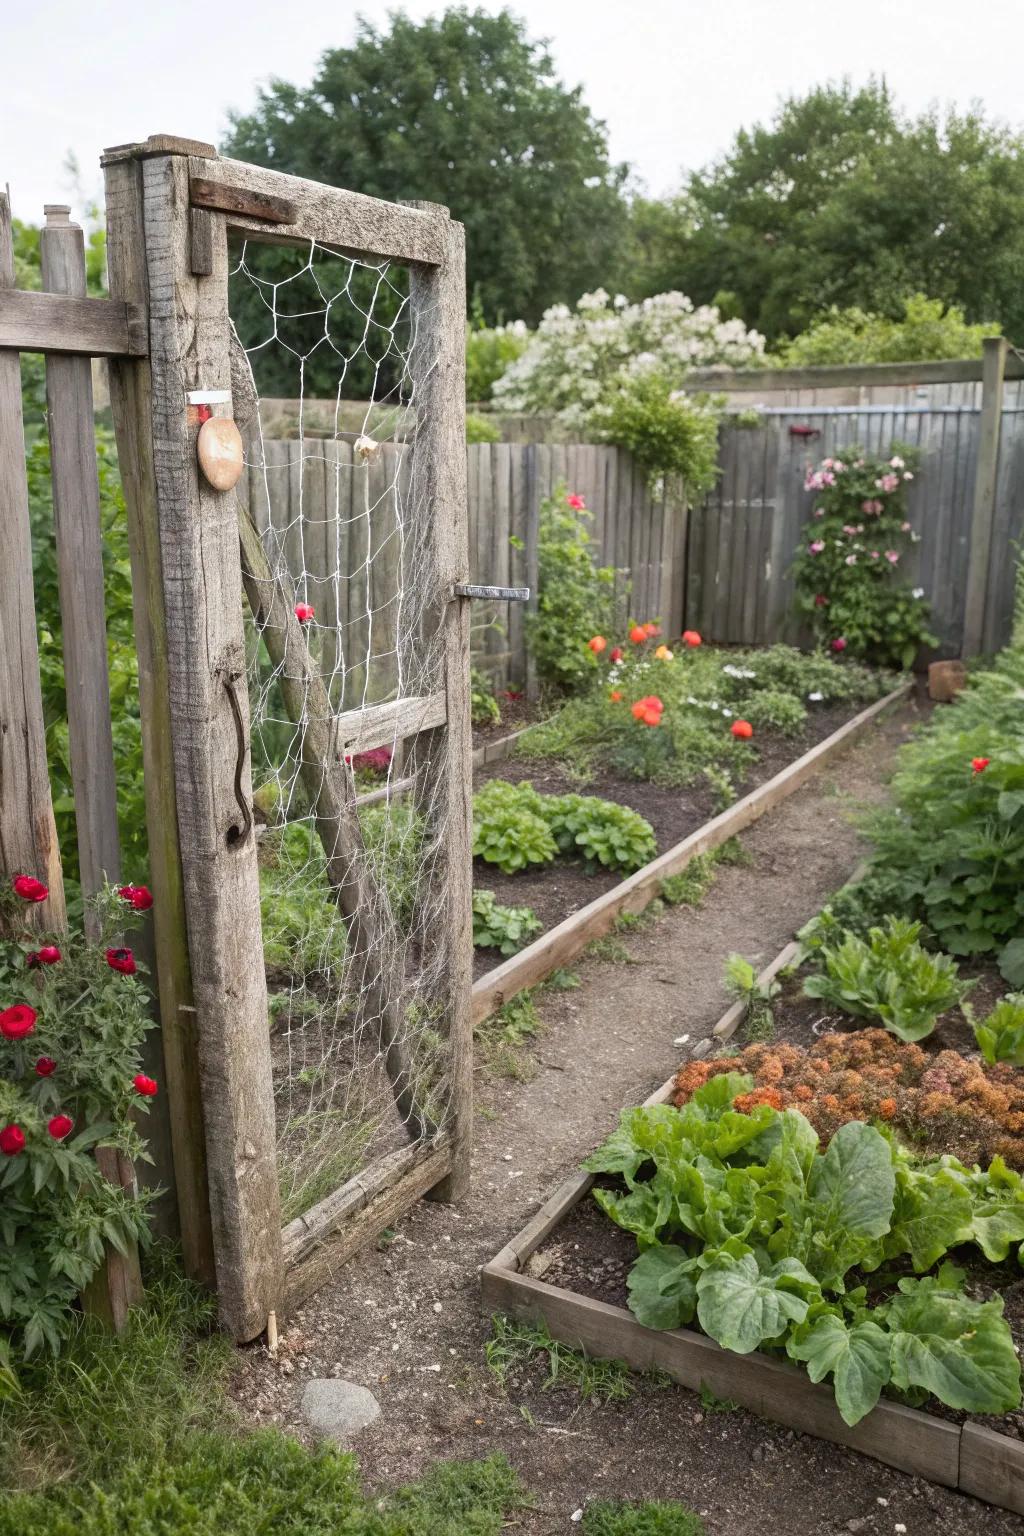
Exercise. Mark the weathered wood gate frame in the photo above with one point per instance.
(171, 206)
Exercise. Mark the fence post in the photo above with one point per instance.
(28, 836)
(438, 365)
(985, 479)
(190, 574)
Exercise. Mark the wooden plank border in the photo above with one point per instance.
(567, 939)
(71, 323)
(848, 375)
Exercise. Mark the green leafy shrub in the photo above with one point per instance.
(1000, 1035)
(574, 596)
(303, 931)
(503, 928)
(667, 432)
(927, 329)
(73, 1019)
(846, 569)
(480, 429)
(484, 707)
(889, 977)
(514, 825)
(744, 1223)
(950, 849)
(772, 709)
(490, 352)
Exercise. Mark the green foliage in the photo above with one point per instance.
(504, 1038)
(513, 1345)
(514, 825)
(603, 1517)
(121, 658)
(950, 850)
(574, 597)
(506, 929)
(303, 932)
(833, 203)
(1000, 1035)
(742, 984)
(58, 1210)
(689, 887)
(484, 707)
(846, 568)
(481, 429)
(667, 432)
(490, 350)
(461, 109)
(744, 1223)
(927, 330)
(889, 977)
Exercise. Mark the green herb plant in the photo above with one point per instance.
(505, 929)
(1000, 1035)
(575, 597)
(757, 999)
(515, 825)
(744, 1223)
(888, 976)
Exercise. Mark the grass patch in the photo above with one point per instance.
(658, 1518)
(712, 1404)
(503, 1040)
(690, 886)
(513, 1345)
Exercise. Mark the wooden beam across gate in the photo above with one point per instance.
(65, 323)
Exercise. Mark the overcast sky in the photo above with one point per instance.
(673, 79)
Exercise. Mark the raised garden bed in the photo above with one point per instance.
(593, 1255)
(551, 891)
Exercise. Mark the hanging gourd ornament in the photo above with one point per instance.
(219, 444)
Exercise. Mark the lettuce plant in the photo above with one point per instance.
(888, 976)
(744, 1223)
(1000, 1035)
(503, 928)
(514, 825)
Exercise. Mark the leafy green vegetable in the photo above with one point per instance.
(889, 976)
(1000, 1035)
(503, 928)
(856, 1358)
(957, 1349)
(741, 1305)
(662, 1289)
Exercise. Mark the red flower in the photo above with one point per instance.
(17, 1022)
(652, 629)
(616, 653)
(839, 643)
(121, 960)
(979, 764)
(48, 955)
(597, 644)
(304, 612)
(12, 1140)
(45, 1066)
(144, 1085)
(691, 638)
(60, 1126)
(648, 710)
(651, 717)
(638, 634)
(29, 888)
(615, 696)
(140, 897)
(576, 502)
(821, 601)
(742, 730)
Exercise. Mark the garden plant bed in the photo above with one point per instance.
(969, 1456)
(552, 890)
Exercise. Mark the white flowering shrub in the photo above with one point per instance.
(578, 359)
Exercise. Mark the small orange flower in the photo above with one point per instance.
(597, 644)
(887, 1108)
(615, 696)
(638, 634)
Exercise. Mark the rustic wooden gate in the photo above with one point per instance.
(172, 208)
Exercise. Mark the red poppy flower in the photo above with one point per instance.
(597, 644)
(45, 1066)
(652, 629)
(12, 1140)
(140, 897)
(691, 637)
(48, 955)
(144, 1085)
(29, 888)
(638, 634)
(17, 1022)
(651, 717)
(979, 764)
(839, 643)
(615, 696)
(742, 730)
(821, 601)
(60, 1126)
(304, 613)
(616, 653)
(121, 960)
(576, 502)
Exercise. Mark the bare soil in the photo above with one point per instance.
(405, 1318)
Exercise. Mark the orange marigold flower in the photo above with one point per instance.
(887, 1108)
(830, 1102)
(745, 1102)
(803, 1092)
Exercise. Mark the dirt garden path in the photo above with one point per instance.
(405, 1319)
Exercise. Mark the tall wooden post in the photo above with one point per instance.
(985, 478)
(28, 836)
(188, 581)
(438, 295)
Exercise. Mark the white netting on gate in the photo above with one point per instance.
(348, 800)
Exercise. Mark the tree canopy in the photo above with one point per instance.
(844, 201)
(461, 109)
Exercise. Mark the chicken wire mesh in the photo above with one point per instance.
(342, 592)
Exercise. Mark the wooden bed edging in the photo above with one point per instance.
(569, 938)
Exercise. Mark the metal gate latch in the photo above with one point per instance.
(492, 594)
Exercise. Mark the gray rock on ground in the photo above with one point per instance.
(338, 1410)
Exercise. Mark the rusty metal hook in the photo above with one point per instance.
(234, 837)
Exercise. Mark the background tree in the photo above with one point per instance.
(463, 109)
(844, 201)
